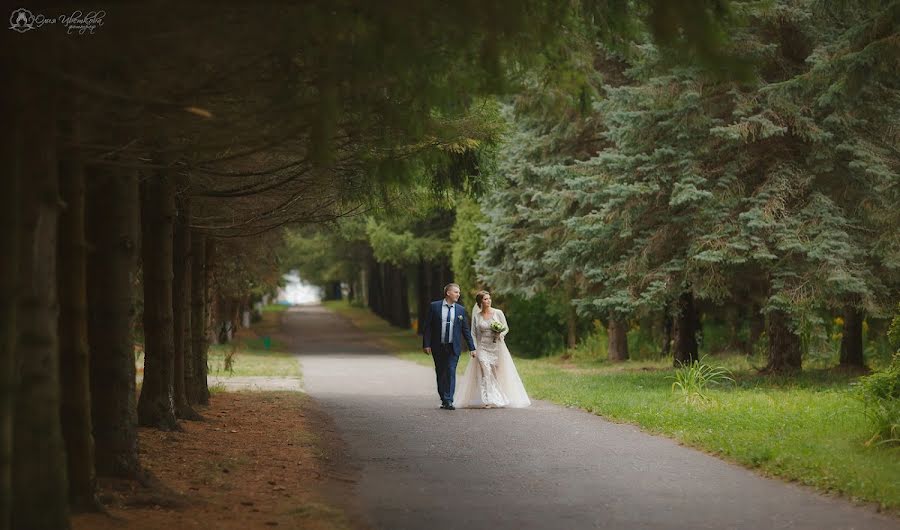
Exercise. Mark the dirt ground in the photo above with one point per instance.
(260, 460)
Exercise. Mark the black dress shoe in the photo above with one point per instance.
(445, 405)
(451, 407)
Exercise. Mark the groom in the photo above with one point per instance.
(442, 332)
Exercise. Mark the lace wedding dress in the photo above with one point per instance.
(491, 378)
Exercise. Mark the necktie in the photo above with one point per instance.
(447, 330)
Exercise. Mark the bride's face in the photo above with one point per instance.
(486, 302)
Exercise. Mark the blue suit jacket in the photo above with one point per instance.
(433, 326)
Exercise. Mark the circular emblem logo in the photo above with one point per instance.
(21, 20)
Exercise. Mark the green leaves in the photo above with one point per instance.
(692, 381)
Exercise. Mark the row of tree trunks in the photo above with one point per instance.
(388, 291)
(75, 410)
(39, 478)
(397, 295)
(156, 406)
(430, 282)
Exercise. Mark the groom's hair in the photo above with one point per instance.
(448, 286)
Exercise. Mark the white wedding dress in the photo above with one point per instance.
(491, 379)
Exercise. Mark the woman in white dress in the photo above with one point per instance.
(491, 379)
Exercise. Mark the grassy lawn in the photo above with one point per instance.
(248, 354)
(807, 428)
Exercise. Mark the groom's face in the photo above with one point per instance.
(453, 294)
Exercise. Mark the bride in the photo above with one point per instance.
(490, 379)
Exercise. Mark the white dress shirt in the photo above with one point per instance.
(444, 309)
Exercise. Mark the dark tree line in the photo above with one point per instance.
(136, 158)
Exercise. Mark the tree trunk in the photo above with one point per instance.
(686, 330)
(757, 326)
(375, 290)
(181, 302)
(785, 355)
(736, 316)
(397, 294)
(385, 295)
(156, 406)
(571, 317)
(668, 334)
(40, 492)
(852, 339)
(423, 293)
(391, 294)
(75, 411)
(13, 152)
(113, 235)
(200, 249)
(572, 327)
(211, 296)
(363, 291)
(618, 340)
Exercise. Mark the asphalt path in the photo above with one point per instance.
(544, 467)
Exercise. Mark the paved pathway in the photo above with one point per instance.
(545, 467)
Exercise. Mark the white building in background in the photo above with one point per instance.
(296, 291)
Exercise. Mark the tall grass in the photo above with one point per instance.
(693, 380)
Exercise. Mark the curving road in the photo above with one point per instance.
(545, 467)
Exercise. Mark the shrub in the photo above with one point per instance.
(693, 380)
(880, 393)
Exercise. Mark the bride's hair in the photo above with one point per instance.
(480, 296)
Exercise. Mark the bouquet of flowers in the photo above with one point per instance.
(497, 328)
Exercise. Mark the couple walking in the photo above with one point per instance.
(491, 379)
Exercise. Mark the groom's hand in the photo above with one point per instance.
(427, 351)
(473, 353)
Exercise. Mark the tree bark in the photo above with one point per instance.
(686, 330)
(423, 293)
(617, 349)
(181, 302)
(13, 152)
(200, 250)
(75, 411)
(156, 406)
(113, 235)
(852, 339)
(40, 489)
(385, 294)
(785, 355)
(668, 334)
(375, 290)
(757, 326)
(397, 294)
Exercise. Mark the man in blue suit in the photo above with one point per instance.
(443, 330)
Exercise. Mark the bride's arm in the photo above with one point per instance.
(474, 330)
(505, 325)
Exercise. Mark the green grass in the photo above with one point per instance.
(809, 428)
(249, 355)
